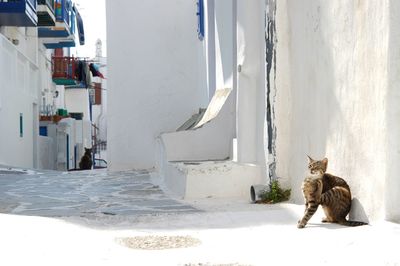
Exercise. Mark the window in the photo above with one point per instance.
(200, 19)
(97, 93)
(21, 125)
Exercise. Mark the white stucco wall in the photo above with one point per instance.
(336, 97)
(25, 39)
(46, 85)
(18, 95)
(392, 113)
(238, 37)
(77, 101)
(156, 76)
(251, 81)
(59, 101)
(47, 156)
(224, 43)
(213, 141)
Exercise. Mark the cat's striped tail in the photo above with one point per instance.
(352, 223)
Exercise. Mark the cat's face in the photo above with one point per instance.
(317, 167)
(88, 150)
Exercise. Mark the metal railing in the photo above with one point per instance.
(64, 67)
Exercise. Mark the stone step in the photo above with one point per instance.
(211, 179)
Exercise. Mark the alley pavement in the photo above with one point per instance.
(124, 218)
(87, 194)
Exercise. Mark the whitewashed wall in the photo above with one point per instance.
(338, 66)
(251, 81)
(156, 76)
(47, 156)
(392, 114)
(24, 39)
(59, 101)
(77, 101)
(46, 85)
(18, 95)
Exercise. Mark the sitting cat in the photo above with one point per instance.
(329, 191)
(86, 160)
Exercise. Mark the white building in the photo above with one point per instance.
(143, 84)
(29, 31)
(315, 77)
(19, 96)
(161, 72)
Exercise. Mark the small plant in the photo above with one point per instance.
(275, 193)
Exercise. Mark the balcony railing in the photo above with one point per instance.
(64, 70)
(63, 34)
(62, 10)
(21, 13)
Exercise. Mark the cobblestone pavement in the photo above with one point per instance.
(83, 194)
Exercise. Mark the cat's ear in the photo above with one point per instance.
(309, 159)
(325, 162)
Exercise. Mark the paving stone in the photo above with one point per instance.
(83, 193)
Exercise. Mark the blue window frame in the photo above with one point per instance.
(200, 19)
(21, 125)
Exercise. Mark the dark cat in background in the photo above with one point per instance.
(86, 160)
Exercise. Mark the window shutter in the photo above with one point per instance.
(97, 93)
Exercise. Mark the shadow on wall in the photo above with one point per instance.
(324, 85)
(357, 212)
(313, 105)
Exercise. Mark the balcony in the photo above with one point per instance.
(62, 34)
(18, 13)
(65, 70)
(45, 13)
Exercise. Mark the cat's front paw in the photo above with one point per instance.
(300, 225)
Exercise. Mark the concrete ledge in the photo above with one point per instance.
(210, 139)
(226, 179)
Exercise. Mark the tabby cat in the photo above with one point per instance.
(332, 192)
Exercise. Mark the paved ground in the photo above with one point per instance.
(96, 218)
(83, 194)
